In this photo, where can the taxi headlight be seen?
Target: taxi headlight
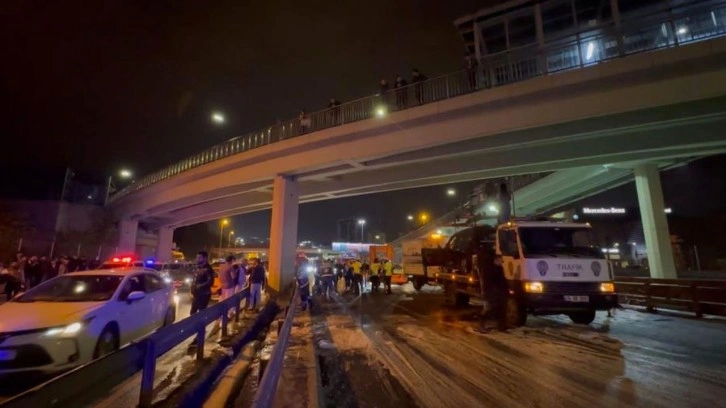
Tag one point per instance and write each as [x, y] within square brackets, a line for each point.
[607, 287]
[72, 328]
[167, 279]
[188, 281]
[533, 287]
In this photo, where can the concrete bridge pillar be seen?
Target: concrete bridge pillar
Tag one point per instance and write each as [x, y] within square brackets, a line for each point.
[655, 224]
[283, 233]
[127, 230]
[164, 244]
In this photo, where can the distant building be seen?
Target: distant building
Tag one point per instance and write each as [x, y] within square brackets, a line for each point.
[573, 33]
[348, 230]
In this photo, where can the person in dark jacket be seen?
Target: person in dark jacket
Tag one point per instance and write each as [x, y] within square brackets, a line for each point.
[494, 289]
[418, 78]
[304, 290]
[202, 286]
[257, 279]
[401, 92]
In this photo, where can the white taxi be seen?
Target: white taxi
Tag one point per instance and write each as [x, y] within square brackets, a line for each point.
[75, 318]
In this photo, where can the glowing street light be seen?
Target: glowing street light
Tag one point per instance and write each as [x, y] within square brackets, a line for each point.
[409, 217]
[223, 223]
[229, 239]
[451, 192]
[380, 111]
[217, 118]
[362, 224]
[424, 218]
[125, 173]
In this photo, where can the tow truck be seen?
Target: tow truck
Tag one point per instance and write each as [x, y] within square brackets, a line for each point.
[551, 268]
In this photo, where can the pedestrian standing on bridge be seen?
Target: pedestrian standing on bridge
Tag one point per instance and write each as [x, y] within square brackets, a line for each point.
[418, 79]
[471, 64]
[401, 86]
[304, 120]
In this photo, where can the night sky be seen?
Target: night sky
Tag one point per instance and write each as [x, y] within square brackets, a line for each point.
[100, 85]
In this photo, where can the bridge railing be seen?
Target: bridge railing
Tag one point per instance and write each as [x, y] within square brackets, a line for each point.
[267, 389]
[663, 27]
[92, 381]
[696, 296]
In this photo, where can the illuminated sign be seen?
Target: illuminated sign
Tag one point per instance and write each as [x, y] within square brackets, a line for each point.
[351, 247]
[612, 210]
[603, 210]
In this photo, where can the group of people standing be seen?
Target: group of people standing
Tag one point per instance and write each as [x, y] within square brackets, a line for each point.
[234, 277]
[342, 276]
[27, 272]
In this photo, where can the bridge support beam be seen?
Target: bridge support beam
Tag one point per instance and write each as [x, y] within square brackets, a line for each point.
[283, 232]
[164, 244]
[127, 230]
[655, 223]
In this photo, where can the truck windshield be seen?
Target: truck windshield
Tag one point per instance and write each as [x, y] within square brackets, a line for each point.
[577, 242]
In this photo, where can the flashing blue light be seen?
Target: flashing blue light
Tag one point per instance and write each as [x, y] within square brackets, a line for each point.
[149, 261]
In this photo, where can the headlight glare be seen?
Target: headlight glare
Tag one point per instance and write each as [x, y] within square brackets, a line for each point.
[72, 328]
[607, 287]
[533, 287]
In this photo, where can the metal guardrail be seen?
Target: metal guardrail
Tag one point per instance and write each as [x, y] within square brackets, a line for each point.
[265, 395]
[92, 381]
[662, 28]
[697, 296]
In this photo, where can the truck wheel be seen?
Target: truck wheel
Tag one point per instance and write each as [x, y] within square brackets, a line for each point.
[585, 317]
[516, 314]
[418, 283]
[449, 294]
[462, 300]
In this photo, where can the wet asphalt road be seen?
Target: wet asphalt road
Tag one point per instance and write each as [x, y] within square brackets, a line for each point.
[407, 350]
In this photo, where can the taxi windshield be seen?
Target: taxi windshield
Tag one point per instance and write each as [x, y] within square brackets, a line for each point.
[73, 288]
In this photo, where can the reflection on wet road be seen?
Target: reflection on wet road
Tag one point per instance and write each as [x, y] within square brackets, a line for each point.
[419, 353]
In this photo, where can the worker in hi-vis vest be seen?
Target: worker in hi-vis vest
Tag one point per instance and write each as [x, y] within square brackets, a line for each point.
[387, 274]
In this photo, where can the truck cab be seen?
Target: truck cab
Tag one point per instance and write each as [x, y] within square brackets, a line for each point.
[550, 267]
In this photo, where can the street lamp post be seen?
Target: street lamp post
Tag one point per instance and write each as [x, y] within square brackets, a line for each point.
[122, 174]
[222, 224]
[362, 224]
[424, 218]
[229, 239]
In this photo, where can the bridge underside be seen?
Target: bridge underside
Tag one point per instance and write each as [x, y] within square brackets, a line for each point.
[606, 153]
[554, 191]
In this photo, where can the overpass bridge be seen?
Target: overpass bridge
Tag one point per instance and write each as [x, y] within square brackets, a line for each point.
[538, 195]
[657, 101]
